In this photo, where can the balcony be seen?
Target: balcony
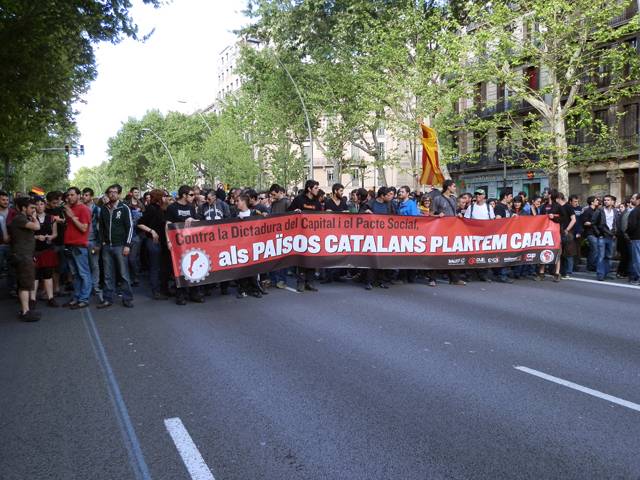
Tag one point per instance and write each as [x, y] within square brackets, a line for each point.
[488, 162]
[626, 15]
[593, 149]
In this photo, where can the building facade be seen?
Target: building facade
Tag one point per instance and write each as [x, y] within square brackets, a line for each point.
[614, 170]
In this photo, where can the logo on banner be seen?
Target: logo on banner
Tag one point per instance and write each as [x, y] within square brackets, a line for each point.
[530, 257]
[195, 265]
[457, 261]
[547, 256]
[511, 259]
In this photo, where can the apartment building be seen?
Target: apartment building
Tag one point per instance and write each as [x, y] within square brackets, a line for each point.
[492, 167]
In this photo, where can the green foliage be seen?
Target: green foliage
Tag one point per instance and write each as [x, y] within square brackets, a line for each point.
[47, 62]
[97, 178]
[582, 56]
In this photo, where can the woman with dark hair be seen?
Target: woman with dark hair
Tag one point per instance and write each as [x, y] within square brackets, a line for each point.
[152, 224]
[425, 205]
[46, 255]
[518, 206]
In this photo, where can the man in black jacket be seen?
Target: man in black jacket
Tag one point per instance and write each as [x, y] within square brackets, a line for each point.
[116, 230]
[306, 202]
[604, 224]
[633, 232]
[588, 232]
[183, 210]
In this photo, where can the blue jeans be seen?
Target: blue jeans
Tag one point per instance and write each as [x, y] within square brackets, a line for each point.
[592, 258]
[5, 252]
[635, 259]
[155, 264]
[278, 275]
[78, 262]
[605, 252]
[134, 258]
[94, 264]
[567, 265]
[115, 263]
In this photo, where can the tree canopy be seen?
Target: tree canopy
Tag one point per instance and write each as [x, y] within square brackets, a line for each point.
[47, 62]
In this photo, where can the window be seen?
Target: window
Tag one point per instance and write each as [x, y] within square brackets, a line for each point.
[380, 132]
[601, 120]
[480, 144]
[532, 75]
[480, 96]
[632, 45]
[630, 121]
[502, 97]
[381, 151]
[502, 143]
[528, 144]
[330, 176]
[355, 153]
[355, 175]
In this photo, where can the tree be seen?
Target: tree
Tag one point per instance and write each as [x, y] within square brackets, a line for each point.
[368, 65]
[578, 52]
[96, 178]
[138, 156]
[47, 62]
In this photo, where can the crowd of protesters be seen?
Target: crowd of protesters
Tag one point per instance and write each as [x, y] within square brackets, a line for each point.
[80, 245]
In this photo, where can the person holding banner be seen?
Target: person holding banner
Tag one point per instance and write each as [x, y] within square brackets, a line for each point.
[307, 201]
[445, 205]
[247, 285]
[183, 210]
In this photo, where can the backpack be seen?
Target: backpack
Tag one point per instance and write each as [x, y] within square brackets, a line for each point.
[488, 211]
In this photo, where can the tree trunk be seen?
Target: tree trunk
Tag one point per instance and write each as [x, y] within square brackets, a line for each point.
[381, 175]
[562, 154]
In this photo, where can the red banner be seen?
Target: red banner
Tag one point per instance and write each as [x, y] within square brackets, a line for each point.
[216, 251]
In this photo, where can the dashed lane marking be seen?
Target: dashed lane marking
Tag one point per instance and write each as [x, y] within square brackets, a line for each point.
[190, 454]
[580, 388]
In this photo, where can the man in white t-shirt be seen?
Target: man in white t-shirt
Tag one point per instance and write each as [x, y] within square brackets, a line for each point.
[480, 209]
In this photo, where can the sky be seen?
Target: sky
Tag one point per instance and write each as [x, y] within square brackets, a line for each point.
[177, 63]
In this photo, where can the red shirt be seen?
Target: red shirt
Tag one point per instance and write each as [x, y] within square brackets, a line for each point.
[73, 236]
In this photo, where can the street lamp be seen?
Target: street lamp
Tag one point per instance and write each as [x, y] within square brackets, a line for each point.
[173, 162]
[201, 116]
[306, 114]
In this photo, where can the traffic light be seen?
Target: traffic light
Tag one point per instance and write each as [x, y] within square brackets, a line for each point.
[67, 149]
[81, 149]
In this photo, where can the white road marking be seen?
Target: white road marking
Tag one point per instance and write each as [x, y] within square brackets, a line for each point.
[580, 388]
[190, 454]
[586, 280]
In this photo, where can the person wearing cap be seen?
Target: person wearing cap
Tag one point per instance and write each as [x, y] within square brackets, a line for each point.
[480, 210]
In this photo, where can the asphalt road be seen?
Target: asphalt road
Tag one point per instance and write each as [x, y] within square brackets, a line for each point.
[407, 383]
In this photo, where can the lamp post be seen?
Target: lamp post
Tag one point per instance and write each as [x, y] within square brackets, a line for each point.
[173, 162]
[201, 116]
[306, 114]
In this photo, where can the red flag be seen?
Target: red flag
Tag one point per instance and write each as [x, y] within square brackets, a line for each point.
[431, 173]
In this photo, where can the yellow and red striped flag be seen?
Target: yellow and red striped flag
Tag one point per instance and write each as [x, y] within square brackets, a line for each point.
[431, 173]
[37, 190]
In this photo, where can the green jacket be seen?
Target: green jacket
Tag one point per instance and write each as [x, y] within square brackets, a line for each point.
[116, 225]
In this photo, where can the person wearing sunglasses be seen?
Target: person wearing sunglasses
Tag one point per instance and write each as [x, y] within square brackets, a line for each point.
[184, 210]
